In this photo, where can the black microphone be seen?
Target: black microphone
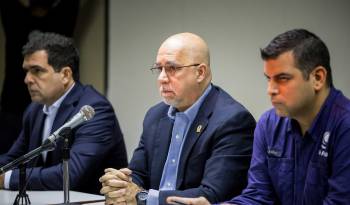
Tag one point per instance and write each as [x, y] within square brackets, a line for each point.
[86, 113]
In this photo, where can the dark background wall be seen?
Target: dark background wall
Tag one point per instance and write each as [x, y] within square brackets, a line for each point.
[90, 39]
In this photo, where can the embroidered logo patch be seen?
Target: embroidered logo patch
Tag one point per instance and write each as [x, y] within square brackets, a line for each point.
[323, 150]
[274, 152]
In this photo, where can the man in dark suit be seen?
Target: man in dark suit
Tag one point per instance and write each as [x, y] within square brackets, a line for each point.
[51, 63]
[198, 142]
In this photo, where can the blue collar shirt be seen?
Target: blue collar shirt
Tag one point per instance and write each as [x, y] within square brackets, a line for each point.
[291, 169]
[182, 122]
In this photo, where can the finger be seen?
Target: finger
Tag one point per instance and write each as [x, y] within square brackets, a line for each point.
[117, 183]
[107, 189]
[176, 200]
[106, 177]
[126, 171]
[121, 174]
[110, 170]
[117, 193]
[120, 200]
[202, 201]
[187, 201]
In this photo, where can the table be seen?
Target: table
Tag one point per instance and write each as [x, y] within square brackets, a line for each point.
[51, 197]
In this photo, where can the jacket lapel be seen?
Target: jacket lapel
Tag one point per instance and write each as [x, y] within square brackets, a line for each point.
[64, 113]
[162, 142]
[36, 135]
[196, 130]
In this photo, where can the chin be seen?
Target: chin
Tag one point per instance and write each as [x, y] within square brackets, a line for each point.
[281, 113]
[38, 100]
[172, 103]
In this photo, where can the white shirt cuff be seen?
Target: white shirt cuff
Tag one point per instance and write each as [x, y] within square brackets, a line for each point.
[7, 179]
[153, 197]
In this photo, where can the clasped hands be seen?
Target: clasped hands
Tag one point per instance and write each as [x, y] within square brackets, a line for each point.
[118, 188]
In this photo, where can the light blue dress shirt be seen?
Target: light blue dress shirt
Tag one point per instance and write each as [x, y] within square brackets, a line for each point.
[182, 122]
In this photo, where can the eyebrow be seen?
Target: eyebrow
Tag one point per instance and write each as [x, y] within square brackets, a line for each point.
[166, 63]
[277, 76]
[33, 67]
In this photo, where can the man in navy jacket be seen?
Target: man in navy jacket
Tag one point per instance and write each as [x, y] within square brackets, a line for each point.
[197, 142]
[51, 62]
[301, 147]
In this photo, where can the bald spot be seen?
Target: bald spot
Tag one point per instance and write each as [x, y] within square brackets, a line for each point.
[188, 45]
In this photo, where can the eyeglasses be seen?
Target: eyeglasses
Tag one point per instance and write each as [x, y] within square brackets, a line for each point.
[170, 69]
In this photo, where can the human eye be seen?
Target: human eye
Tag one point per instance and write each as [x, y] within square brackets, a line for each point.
[37, 70]
[170, 68]
[283, 78]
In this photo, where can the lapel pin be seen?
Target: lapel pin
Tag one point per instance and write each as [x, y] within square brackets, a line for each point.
[199, 128]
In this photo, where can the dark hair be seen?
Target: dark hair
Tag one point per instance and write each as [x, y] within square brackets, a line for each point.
[60, 50]
[309, 51]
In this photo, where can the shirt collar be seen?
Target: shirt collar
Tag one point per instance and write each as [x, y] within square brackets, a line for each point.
[192, 111]
[50, 109]
[319, 120]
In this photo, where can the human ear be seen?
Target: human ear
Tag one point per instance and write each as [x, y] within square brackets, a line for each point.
[66, 74]
[201, 72]
[319, 75]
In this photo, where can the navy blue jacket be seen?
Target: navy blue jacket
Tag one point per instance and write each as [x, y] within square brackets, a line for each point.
[95, 144]
[291, 169]
[213, 162]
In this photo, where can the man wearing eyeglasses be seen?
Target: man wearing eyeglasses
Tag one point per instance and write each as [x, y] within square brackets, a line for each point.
[197, 142]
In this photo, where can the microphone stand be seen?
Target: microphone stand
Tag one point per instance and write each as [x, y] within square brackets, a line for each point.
[66, 133]
[22, 197]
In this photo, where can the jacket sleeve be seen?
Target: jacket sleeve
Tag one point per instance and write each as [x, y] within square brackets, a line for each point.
[15, 151]
[338, 191]
[139, 163]
[259, 189]
[20, 146]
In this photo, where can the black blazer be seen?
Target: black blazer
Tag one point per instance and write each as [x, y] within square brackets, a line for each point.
[214, 161]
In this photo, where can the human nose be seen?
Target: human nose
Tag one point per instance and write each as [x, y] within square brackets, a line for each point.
[272, 88]
[28, 78]
[163, 76]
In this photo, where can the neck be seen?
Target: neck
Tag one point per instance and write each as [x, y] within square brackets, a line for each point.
[306, 118]
[66, 88]
[198, 93]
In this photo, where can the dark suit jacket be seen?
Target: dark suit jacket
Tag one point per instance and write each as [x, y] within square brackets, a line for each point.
[214, 162]
[95, 144]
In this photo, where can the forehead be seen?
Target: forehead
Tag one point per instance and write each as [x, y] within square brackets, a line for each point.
[172, 51]
[36, 58]
[284, 63]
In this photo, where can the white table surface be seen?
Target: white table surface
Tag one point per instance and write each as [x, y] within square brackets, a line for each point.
[49, 197]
